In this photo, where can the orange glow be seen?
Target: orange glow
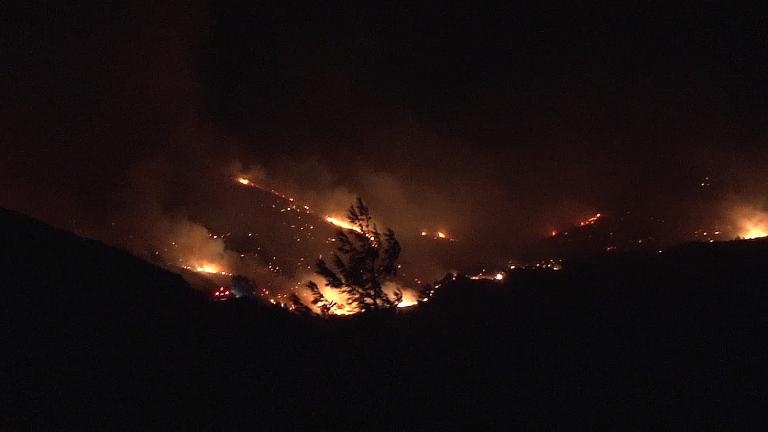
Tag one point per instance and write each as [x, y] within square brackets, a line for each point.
[244, 181]
[340, 299]
[752, 223]
[409, 299]
[488, 276]
[755, 232]
[342, 223]
[207, 268]
[436, 235]
[340, 303]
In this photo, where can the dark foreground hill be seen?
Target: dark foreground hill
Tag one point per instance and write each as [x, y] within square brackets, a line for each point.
[94, 338]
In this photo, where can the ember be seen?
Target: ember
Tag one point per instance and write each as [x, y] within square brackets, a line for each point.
[591, 220]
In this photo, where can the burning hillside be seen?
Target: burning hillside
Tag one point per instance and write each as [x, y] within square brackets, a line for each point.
[273, 240]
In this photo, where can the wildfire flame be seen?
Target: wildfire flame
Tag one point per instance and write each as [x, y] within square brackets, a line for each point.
[582, 223]
[409, 299]
[755, 232]
[591, 220]
[333, 220]
[207, 268]
[436, 235]
[340, 300]
[752, 223]
[342, 223]
[488, 276]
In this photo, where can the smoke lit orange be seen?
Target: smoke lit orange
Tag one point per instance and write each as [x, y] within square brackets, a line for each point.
[753, 223]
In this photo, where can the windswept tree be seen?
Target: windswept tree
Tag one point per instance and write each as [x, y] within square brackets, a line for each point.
[364, 260]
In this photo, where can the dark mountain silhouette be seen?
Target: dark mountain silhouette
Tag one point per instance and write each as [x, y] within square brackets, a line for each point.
[95, 338]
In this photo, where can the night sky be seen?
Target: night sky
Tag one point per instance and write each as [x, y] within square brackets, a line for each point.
[494, 123]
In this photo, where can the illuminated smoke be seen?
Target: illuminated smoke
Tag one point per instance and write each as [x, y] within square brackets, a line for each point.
[410, 296]
[185, 244]
[752, 224]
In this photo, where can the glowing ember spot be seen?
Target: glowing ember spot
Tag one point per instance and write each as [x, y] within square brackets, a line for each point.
[436, 235]
[342, 223]
[488, 276]
[244, 181]
[592, 220]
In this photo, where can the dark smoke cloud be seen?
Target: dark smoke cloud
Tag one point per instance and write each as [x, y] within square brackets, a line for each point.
[105, 120]
[121, 122]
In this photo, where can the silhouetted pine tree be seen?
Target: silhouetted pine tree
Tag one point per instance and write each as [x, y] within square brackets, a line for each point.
[363, 261]
[299, 307]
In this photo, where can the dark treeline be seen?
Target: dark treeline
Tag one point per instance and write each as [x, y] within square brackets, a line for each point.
[96, 338]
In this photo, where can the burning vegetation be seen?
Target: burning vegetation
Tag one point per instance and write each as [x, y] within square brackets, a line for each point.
[336, 221]
[751, 223]
[364, 261]
[590, 220]
[281, 272]
[358, 269]
[436, 235]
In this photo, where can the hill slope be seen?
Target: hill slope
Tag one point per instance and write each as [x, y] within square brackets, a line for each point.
[99, 339]
[81, 320]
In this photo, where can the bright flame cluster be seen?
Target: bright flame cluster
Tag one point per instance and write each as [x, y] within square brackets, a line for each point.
[752, 223]
[408, 302]
[489, 276]
[755, 232]
[208, 268]
[342, 223]
[437, 235]
[339, 300]
[591, 220]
